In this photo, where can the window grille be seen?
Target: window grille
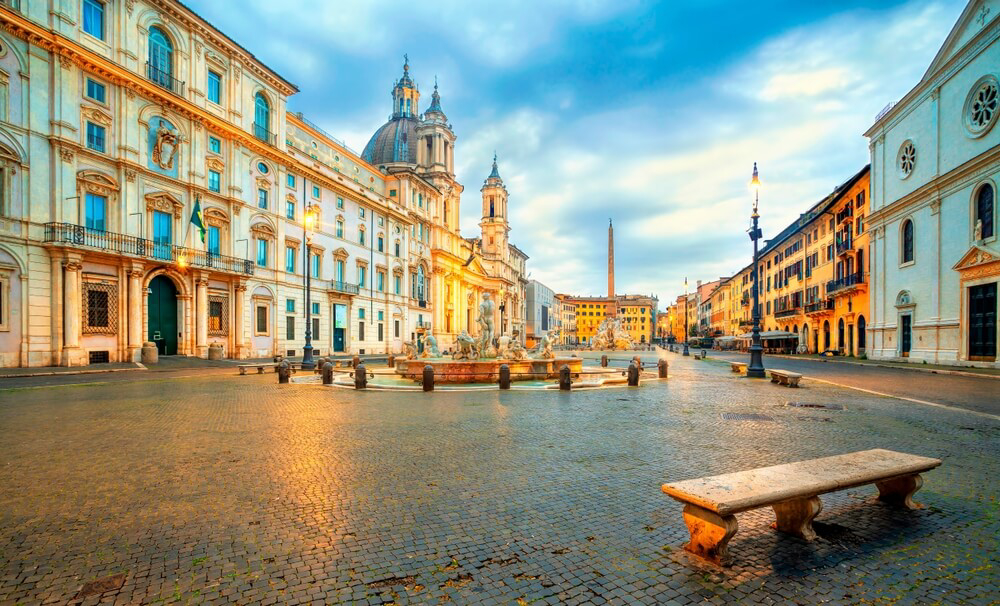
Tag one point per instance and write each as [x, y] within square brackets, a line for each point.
[218, 315]
[100, 308]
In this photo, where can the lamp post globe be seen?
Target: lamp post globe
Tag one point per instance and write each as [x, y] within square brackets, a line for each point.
[756, 367]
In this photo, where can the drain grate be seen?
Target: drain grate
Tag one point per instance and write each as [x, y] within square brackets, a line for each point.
[745, 416]
[815, 405]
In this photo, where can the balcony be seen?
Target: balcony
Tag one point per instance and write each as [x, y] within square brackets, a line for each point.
[344, 287]
[164, 80]
[745, 301]
[105, 241]
[423, 325]
[820, 307]
[846, 213]
[260, 131]
[850, 281]
[791, 311]
[844, 244]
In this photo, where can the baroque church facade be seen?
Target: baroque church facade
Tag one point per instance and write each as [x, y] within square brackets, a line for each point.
[154, 188]
[415, 148]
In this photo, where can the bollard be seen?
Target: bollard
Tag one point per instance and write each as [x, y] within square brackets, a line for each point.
[428, 378]
[633, 375]
[283, 372]
[327, 373]
[604, 361]
[355, 361]
[564, 378]
[661, 367]
[360, 376]
[638, 362]
[392, 361]
[703, 354]
[319, 366]
[504, 376]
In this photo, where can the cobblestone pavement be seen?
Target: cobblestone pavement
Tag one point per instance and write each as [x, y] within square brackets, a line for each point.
[981, 394]
[227, 489]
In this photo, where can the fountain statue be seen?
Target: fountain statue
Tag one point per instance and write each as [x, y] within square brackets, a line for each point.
[485, 321]
[611, 335]
[466, 347]
[410, 350]
[510, 348]
[545, 346]
[431, 346]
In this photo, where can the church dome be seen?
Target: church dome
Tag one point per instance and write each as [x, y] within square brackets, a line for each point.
[395, 141]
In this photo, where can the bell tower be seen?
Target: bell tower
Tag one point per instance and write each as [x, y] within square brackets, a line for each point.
[436, 141]
[494, 222]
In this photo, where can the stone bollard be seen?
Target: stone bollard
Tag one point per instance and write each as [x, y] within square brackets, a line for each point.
[215, 352]
[360, 376]
[638, 362]
[703, 354]
[392, 361]
[283, 372]
[661, 368]
[277, 358]
[633, 375]
[149, 354]
[428, 378]
[355, 361]
[564, 378]
[604, 361]
[504, 376]
[327, 373]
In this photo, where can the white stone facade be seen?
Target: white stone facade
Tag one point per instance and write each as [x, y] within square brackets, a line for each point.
[104, 158]
[935, 161]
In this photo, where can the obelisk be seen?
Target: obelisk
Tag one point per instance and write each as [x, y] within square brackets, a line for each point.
[613, 307]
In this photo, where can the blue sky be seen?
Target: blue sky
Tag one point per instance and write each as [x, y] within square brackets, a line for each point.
[650, 113]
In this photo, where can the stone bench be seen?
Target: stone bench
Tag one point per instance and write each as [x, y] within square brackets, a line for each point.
[793, 491]
[785, 377]
[738, 367]
[697, 356]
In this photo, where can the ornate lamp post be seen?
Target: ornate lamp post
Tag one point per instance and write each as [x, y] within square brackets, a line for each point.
[756, 366]
[686, 352]
[307, 351]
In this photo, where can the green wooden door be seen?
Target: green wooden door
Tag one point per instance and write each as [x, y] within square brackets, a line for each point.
[163, 315]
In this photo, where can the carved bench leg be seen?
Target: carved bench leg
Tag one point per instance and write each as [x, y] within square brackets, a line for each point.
[243, 371]
[793, 382]
[899, 491]
[710, 534]
[795, 517]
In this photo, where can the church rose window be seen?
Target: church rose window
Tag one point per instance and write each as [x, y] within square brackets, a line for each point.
[907, 159]
[982, 105]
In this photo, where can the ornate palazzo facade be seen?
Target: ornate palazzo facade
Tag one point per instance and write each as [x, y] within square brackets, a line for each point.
[127, 126]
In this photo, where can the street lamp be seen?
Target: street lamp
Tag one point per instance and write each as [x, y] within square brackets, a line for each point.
[307, 351]
[756, 367]
[686, 352]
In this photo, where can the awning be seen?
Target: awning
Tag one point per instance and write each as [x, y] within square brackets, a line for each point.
[772, 334]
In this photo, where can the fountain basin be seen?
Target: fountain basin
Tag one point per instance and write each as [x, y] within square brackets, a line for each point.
[486, 370]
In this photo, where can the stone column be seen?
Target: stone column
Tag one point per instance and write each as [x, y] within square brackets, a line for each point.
[185, 344]
[56, 298]
[72, 355]
[238, 312]
[201, 315]
[135, 305]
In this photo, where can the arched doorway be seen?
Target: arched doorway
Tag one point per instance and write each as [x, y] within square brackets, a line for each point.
[826, 335]
[840, 335]
[162, 324]
[805, 336]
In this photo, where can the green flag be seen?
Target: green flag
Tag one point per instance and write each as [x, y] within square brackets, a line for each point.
[196, 218]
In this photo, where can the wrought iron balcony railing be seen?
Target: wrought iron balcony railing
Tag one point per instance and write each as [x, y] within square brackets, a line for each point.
[819, 306]
[790, 311]
[844, 244]
[846, 282]
[260, 131]
[846, 213]
[98, 239]
[344, 287]
[164, 80]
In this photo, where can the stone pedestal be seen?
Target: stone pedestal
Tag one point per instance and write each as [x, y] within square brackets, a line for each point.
[150, 355]
[215, 352]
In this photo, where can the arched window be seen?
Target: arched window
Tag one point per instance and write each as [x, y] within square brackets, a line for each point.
[161, 58]
[861, 334]
[420, 283]
[491, 208]
[984, 210]
[261, 117]
[408, 107]
[907, 241]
